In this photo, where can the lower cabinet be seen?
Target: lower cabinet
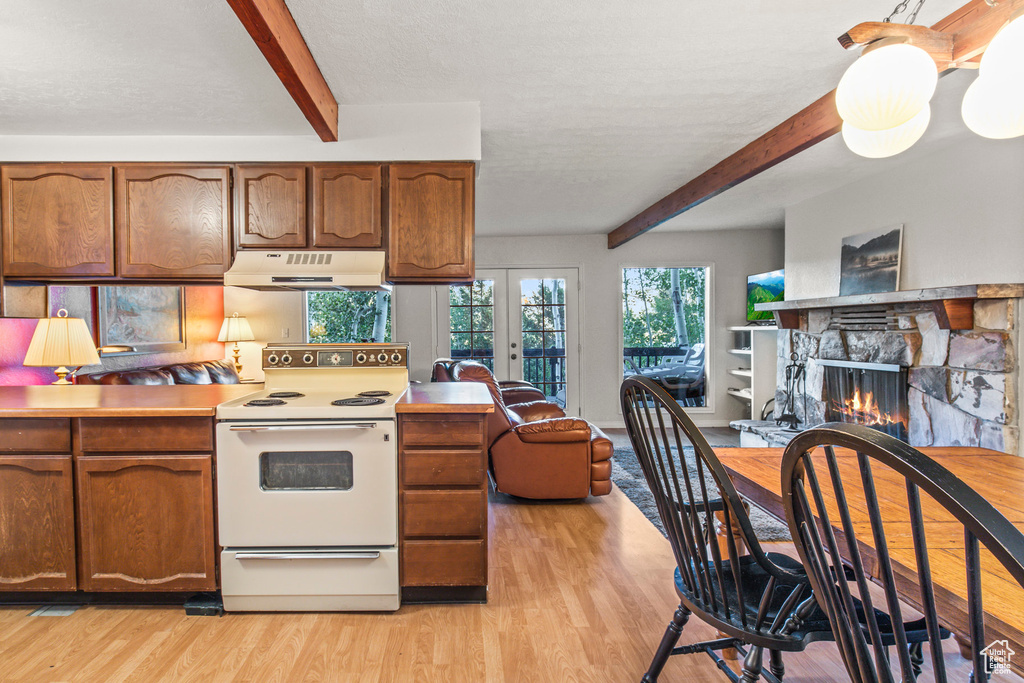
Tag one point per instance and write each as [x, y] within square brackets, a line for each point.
[140, 514]
[146, 523]
[37, 523]
[443, 506]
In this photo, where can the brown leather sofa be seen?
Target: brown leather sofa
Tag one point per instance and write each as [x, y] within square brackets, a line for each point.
[201, 372]
[512, 391]
[537, 457]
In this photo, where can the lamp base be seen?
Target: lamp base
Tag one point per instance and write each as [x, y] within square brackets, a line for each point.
[238, 364]
[62, 375]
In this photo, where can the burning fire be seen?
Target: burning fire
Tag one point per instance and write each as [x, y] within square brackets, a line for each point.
[865, 410]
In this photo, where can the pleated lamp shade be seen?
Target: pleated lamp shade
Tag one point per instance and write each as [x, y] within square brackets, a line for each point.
[235, 329]
[60, 342]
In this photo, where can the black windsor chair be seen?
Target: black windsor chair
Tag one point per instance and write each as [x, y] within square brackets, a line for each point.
[759, 601]
[813, 485]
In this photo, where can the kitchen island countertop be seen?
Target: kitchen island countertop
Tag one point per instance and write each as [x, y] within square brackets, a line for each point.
[180, 400]
[446, 397]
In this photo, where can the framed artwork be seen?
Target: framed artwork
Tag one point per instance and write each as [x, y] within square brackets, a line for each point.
[148, 319]
[870, 262]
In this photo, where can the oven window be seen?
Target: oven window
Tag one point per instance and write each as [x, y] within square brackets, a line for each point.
[306, 470]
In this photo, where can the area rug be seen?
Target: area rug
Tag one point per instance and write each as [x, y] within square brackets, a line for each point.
[628, 476]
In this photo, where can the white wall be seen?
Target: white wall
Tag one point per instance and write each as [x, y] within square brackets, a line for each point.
[732, 255]
[962, 210]
[392, 132]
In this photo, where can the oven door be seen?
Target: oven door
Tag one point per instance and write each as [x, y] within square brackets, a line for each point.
[307, 483]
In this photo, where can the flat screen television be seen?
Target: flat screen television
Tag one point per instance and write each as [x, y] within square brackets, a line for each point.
[762, 288]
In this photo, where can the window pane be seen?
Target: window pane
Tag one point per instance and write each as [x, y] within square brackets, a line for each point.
[533, 318]
[345, 317]
[483, 318]
[664, 316]
[461, 344]
[461, 318]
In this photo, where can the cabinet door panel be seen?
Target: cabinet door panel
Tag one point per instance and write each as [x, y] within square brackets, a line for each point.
[430, 222]
[444, 513]
[37, 529]
[57, 220]
[444, 563]
[146, 523]
[271, 204]
[173, 221]
[346, 205]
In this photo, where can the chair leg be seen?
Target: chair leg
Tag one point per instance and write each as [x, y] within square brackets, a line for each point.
[775, 664]
[916, 658]
[668, 641]
[752, 665]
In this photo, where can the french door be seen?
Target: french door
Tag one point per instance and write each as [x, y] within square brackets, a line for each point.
[521, 323]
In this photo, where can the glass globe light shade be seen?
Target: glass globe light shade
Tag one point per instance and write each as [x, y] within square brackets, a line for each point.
[994, 107]
[886, 87]
[1005, 54]
[878, 144]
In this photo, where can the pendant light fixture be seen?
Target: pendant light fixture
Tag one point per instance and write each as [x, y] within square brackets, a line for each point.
[883, 97]
[993, 106]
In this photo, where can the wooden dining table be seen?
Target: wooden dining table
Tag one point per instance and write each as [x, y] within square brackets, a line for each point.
[998, 477]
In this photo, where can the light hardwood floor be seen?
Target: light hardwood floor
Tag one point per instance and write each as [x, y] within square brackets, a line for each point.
[579, 592]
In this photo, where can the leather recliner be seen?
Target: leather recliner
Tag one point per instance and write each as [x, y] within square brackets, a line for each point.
[512, 391]
[540, 457]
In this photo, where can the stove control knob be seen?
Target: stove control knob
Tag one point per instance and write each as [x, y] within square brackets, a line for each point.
[396, 357]
[382, 358]
[272, 359]
[361, 358]
[286, 359]
[307, 359]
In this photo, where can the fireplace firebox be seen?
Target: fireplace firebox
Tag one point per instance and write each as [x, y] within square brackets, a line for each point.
[872, 394]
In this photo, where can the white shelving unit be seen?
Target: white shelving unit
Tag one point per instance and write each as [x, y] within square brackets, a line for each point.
[755, 352]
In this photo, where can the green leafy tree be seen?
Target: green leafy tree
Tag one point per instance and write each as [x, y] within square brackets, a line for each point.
[342, 317]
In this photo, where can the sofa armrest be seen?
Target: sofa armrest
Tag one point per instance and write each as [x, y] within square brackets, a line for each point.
[525, 394]
[536, 410]
[556, 430]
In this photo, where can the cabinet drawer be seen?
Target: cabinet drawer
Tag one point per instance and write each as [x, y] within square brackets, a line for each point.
[444, 513]
[451, 430]
[444, 563]
[442, 467]
[35, 435]
[162, 434]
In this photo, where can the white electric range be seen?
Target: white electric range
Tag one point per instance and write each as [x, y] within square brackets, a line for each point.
[307, 481]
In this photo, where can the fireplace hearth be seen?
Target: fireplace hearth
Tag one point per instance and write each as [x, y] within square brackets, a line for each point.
[871, 394]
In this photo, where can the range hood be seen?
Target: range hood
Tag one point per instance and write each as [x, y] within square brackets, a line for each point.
[358, 271]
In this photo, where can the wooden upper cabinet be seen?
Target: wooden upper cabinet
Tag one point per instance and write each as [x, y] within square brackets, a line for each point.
[346, 206]
[173, 221]
[57, 220]
[430, 222]
[270, 203]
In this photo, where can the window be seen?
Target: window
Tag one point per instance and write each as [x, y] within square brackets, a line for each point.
[345, 317]
[471, 308]
[664, 322]
[543, 322]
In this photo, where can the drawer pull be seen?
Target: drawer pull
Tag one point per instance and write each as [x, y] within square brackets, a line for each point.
[360, 555]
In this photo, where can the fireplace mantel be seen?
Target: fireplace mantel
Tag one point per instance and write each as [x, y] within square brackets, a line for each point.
[953, 306]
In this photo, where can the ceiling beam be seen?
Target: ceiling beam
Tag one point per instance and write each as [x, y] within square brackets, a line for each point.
[277, 36]
[972, 27]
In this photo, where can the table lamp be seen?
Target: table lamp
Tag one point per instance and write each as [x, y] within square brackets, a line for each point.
[62, 342]
[235, 329]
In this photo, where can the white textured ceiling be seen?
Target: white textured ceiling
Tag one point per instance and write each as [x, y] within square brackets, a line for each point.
[590, 110]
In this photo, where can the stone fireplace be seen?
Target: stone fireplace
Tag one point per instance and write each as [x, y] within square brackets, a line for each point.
[960, 382]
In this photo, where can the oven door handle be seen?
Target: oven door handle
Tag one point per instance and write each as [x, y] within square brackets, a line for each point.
[305, 427]
[331, 555]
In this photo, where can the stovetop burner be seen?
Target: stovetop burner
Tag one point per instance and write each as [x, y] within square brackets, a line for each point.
[358, 401]
[285, 394]
[373, 394]
[265, 402]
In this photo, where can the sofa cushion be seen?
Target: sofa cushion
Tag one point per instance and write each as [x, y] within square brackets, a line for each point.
[189, 373]
[221, 371]
[144, 376]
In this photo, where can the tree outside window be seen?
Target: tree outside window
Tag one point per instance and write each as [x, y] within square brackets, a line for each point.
[664, 319]
[347, 317]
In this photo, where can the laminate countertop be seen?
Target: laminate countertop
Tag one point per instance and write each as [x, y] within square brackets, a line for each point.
[446, 397]
[179, 400]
